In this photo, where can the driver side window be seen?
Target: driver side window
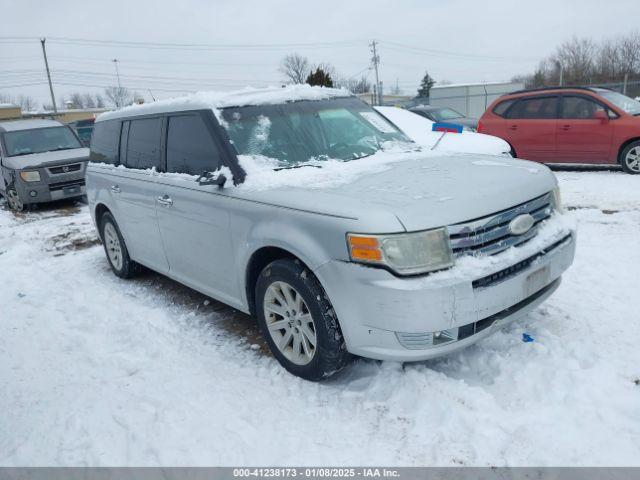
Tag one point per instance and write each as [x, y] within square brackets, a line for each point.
[191, 148]
[579, 107]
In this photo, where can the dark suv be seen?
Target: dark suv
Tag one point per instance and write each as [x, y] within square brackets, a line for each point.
[570, 125]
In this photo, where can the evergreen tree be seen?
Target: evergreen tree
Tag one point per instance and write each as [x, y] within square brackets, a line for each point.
[425, 85]
[320, 77]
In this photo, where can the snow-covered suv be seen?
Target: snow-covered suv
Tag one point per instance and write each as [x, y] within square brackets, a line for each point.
[40, 161]
[306, 208]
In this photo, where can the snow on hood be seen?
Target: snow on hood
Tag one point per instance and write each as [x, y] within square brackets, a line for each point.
[46, 158]
[419, 130]
[236, 98]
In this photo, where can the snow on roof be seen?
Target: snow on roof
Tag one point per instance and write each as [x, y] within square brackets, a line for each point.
[15, 125]
[8, 105]
[237, 98]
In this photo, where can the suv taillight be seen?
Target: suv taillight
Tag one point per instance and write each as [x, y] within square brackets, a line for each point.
[479, 130]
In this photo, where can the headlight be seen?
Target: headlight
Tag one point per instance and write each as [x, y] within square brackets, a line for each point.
[556, 201]
[30, 176]
[405, 253]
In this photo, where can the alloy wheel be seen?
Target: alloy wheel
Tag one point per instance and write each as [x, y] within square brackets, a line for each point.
[633, 159]
[113, 247]
[290, 323]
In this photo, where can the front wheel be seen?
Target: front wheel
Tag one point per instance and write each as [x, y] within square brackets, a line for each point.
[630, 158]
[15, 202]
[298, 321]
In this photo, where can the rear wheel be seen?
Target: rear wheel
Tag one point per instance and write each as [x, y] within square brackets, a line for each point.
[115, 248]
[630, 158]
[298, 321]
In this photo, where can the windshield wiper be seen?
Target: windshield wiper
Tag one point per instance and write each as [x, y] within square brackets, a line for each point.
[297, 166]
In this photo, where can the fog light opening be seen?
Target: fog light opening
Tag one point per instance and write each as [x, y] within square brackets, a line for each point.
[33, 193]
[445, 336]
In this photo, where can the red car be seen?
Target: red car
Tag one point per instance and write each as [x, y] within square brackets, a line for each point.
[568, 125]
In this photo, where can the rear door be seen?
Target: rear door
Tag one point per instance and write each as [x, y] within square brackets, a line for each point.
[194, 219]
[530, 127]
[135, 191]
[581, 138]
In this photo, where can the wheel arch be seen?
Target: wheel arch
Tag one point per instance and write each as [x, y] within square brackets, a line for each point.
[257, 262]
[623, 146]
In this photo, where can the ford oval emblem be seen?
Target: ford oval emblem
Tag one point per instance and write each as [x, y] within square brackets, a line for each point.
[521, 224]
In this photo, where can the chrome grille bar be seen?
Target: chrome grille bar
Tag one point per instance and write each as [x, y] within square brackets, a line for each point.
[490, 235]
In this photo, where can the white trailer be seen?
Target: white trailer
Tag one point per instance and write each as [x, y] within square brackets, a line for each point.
[470, 99]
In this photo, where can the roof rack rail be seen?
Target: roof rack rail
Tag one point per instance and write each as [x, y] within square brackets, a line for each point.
[564, 87]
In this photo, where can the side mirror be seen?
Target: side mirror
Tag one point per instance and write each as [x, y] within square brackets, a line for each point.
[601, 115]
[208, 178]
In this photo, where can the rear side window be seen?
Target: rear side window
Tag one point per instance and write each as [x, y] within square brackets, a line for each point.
[579, 107]
[104, 142]
[535, 108]
[190, 146]
[143, 144]
[502, 107]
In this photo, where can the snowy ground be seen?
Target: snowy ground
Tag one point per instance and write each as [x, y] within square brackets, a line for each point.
[95, 370]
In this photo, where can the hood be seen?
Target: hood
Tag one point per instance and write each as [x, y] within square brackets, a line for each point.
[36, 160]
[419, 129]
[421, 193]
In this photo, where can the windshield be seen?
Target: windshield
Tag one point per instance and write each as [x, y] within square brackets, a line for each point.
[629, 105]
[343, 129]
[446, 114]
[38, 140]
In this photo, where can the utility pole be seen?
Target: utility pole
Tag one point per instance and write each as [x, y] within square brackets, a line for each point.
[115, 62]
[561, 74]
[376, 60]
[624, 85]
[46, 64]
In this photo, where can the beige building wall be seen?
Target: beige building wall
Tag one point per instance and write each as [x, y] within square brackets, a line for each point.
[10, 111]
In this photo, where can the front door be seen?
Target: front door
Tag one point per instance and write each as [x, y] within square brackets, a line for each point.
[581, 137]
[193, 219]
[530, 127]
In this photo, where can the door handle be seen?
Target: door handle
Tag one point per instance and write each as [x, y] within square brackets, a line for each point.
[565, 127]
[513, 127]
[165, 201]
[115, 189]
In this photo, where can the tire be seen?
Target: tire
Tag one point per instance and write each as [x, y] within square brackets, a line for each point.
[14, 200]
[315, 320]
[630, 158]
[115, 248]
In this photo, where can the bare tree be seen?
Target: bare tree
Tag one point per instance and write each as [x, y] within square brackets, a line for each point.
[27, 103]
[629, 51]
[118, 96]
[354, 85]
[77, 100]
[6, 98]
[99, 101]
[88, 101]
[295, 68]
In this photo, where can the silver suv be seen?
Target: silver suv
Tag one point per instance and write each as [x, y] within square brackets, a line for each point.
[41, 161]
[306, 208]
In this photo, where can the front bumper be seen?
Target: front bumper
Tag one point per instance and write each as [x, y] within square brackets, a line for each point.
[390, 318]
[51, 187]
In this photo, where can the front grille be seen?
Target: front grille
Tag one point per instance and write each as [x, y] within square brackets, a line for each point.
[491, 235]
[60, 185]
[516, 268]
[65, 169]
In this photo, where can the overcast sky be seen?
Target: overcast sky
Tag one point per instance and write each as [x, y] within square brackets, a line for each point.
[239, 43]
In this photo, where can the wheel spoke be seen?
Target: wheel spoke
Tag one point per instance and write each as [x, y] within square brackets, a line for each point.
[278, 325]
[309, 334]
[306, 347]
[276, 290]
[296, 345]
[277, 309]
[288, 295]
[285, 340]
